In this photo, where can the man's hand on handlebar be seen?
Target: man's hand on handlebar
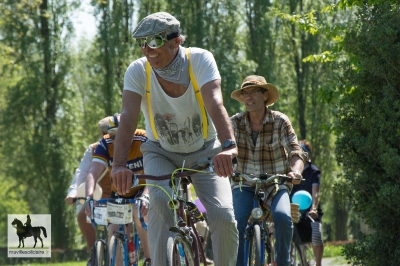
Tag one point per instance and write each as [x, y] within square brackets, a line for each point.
[296, 177]
[222, 162]
[89, 209]
[122, 179]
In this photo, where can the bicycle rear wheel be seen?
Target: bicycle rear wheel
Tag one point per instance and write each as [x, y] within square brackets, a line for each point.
[101, 253]
[297, 256]
[309, 254]
[255, 246]
[179, 251]
[117, 245]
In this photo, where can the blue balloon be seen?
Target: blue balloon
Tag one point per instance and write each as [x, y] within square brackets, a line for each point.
[303, 198]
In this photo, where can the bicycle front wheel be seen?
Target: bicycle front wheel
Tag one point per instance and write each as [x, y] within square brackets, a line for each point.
[269, 243]
[179, 251]
[255, 246]
[117, 245]
[101, 254]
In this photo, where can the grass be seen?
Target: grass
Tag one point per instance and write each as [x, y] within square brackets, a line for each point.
[332, 251]
[72, 263]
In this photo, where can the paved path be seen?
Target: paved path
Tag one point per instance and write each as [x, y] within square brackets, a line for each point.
[335, 261]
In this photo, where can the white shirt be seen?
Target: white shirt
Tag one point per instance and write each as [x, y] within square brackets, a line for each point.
[81, 172]
[177, 120]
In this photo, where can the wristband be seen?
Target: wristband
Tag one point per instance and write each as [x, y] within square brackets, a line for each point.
[296, 172]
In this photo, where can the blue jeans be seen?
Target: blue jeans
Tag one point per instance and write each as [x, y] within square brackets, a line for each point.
[280, 208]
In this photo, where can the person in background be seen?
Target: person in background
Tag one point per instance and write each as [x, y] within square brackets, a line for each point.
[267, 143]
[102, 159]
[183, 108]
[312, 175]
[81, 172]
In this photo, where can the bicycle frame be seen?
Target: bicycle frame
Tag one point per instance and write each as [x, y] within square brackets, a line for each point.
[123, 237]
[120, 235]
[183, 238]
[186, 215]
[301, 252]
[101, 245]
[264, 230]
[257, 220]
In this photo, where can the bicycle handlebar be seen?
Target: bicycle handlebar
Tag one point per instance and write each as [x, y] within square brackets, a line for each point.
[202, 165]
[78, 199]
[116, 200]
[262, 178]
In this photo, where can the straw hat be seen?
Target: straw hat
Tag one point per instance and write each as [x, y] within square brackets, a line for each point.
[255, 81]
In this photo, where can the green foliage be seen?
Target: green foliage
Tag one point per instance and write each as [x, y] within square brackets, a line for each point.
[368, 118]
[11, 202]
[33, 114]
[52, 94]
[332, 250]
[306, 22]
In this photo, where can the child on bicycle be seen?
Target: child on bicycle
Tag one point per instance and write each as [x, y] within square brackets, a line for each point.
[102, 158]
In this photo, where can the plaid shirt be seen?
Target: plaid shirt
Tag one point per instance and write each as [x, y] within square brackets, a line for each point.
[276, 145]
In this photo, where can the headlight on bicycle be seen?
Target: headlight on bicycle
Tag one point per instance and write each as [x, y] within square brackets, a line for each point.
[256, 213]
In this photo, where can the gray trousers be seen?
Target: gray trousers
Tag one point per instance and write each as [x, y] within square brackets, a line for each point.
[213, 191]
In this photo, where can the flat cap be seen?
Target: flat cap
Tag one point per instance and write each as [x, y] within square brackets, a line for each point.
[156, 23]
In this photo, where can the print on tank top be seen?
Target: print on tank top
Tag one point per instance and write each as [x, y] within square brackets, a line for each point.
[175, 132]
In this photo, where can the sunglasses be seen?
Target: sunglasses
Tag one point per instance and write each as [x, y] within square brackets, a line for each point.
[155, 41]
[247, 93]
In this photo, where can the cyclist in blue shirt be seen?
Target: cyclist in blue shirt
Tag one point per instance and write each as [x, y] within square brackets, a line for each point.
[306, 228]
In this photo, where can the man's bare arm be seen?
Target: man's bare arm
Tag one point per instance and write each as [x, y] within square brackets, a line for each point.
[95, 171]
[297, 165]
[127, 126]
[213, 101]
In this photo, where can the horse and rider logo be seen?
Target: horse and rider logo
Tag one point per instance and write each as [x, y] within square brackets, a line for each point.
[36, 226]
[28, 231]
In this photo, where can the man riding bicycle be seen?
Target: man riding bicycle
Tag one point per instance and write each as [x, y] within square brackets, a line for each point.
[179, 92]
[267, 144]
[79, 179]
[103, 158]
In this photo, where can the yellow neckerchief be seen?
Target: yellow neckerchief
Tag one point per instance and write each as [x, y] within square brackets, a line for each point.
[197, 93]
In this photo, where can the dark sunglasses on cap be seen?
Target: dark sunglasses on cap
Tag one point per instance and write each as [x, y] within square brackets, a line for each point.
[155, 41]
